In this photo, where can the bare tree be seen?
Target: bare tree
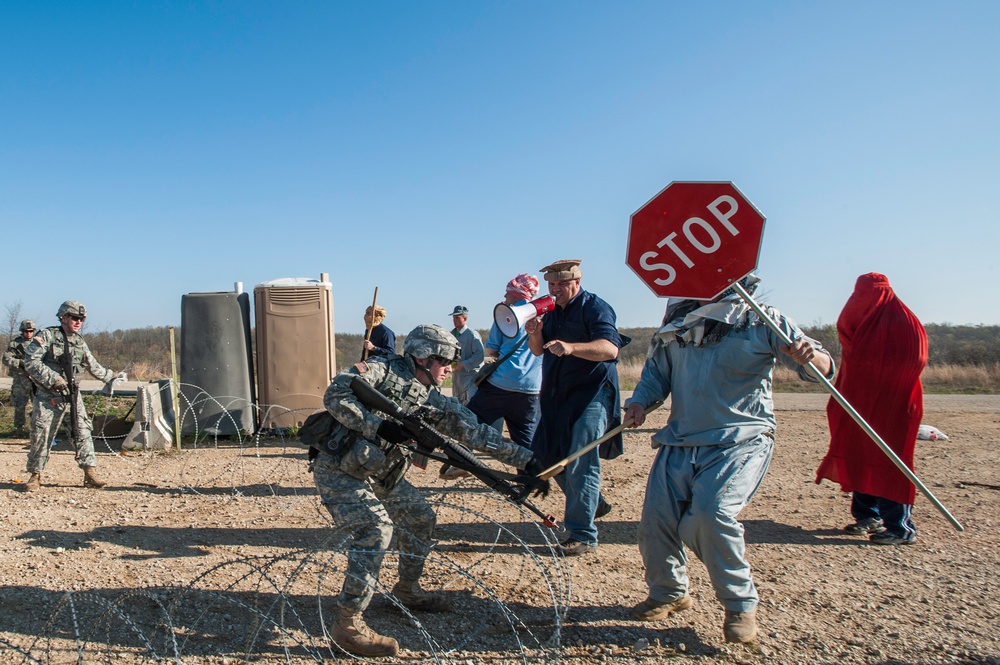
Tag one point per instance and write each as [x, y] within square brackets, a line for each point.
[12, 319]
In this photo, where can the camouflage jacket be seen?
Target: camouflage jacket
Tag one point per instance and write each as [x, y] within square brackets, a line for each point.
[44, 363]
[13, 357]
[394, 376]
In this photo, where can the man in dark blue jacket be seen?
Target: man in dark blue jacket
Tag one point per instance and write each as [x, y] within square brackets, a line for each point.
[580, 399]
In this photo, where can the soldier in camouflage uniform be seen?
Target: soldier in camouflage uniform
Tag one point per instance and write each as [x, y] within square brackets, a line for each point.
[44, 362]
[21, 387]
[359, 474]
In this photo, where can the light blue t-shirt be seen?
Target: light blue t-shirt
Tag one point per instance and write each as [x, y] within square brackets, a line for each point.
[522, 372]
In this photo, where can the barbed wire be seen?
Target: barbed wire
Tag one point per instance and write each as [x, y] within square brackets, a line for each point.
[501, 569]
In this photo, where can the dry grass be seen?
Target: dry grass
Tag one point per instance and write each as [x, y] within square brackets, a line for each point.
[937, 379]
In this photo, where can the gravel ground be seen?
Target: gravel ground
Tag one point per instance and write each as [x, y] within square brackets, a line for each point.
[224, 555]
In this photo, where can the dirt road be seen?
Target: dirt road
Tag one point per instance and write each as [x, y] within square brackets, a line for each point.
[224, 555]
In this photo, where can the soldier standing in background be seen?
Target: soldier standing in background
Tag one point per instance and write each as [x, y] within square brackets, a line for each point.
[21, 388]
[50, 354]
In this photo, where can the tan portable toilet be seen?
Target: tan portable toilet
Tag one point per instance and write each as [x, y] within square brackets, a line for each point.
[296, 351]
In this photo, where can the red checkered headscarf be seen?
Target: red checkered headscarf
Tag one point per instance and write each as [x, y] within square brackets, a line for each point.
[524, 285]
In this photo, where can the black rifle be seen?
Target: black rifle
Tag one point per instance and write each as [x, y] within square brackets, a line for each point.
[74, 391]
[429, 439]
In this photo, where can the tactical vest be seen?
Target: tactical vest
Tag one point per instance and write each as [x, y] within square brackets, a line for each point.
[409, 394]
[56, 350]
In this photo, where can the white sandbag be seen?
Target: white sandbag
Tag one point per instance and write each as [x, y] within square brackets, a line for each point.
[928, 433]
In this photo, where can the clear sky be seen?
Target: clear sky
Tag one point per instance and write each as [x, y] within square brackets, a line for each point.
[436, 149]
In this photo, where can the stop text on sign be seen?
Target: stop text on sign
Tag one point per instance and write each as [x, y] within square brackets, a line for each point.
[694, 239]
[700, 235]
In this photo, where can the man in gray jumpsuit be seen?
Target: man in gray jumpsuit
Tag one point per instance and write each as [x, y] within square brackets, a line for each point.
[21, 389]
[359, 474]
[715, 360]
[45, 362]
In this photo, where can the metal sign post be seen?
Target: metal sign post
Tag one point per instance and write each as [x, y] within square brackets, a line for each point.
[850, 409]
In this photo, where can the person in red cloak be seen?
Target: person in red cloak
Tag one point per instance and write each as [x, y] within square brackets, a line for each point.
[884, 350]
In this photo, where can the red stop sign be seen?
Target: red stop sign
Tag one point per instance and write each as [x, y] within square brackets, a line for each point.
[694, 239]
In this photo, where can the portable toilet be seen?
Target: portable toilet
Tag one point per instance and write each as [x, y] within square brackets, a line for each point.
[216, 359]
[296, 349]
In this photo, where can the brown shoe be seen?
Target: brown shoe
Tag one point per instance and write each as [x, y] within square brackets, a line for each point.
[413, 597]
[90, 478]
[740, 626]
[350, 633]
[33, 483]
[655, 610]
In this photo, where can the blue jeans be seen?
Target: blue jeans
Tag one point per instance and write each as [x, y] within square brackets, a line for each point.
[895, 516]
[693, 497]
[519, 410]
[581, 481]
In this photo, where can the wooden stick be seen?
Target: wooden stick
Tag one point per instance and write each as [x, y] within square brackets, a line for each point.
[368, 328]
[558, 467]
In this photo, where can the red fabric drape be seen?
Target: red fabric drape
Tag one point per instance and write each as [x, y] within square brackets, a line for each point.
[884, 349]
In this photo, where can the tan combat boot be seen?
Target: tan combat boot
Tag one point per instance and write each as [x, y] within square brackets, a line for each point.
[33, 483]
[740, 626]
[413, 597]
[350, 633]
[90, 478]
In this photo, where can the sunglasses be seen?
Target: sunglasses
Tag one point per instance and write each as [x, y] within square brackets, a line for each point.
[442, 360]
[74, 317]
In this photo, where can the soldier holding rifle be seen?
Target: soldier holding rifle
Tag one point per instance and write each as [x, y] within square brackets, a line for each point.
[55, 361]
[359, 472]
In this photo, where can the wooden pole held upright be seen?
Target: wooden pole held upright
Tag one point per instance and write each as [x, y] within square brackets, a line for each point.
[368, 327]
[174, 392]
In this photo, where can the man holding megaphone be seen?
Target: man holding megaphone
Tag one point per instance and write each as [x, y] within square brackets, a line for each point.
[580, 400]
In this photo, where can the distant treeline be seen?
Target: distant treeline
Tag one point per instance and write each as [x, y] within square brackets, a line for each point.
[145, 352]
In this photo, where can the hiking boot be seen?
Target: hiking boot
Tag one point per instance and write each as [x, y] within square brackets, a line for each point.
[414, 598]
[33, 483]
[90, 478]
[740, 626]
[865, 526]
[573, 547]
[655, 610]
[350, 633]
[603, 508]
[887, 538]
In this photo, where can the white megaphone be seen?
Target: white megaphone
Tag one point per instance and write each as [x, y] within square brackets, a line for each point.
[510, 318]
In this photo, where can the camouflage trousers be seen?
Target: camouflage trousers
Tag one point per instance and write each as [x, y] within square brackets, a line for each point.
[366, 516]
[47, 412]
[20, 397]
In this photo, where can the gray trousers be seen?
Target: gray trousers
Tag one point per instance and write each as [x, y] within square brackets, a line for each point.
[367, 514]
[47, 412]
[693, 496]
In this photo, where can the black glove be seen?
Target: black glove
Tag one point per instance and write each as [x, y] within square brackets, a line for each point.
[531, 472]
[393, 432]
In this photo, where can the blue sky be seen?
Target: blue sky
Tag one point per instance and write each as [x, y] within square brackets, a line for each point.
[436, 149]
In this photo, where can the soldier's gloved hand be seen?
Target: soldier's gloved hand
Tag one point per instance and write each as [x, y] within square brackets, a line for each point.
[393, 432]
[60, 385]
[531, 471]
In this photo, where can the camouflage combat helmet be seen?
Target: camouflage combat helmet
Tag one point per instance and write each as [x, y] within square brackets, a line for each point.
[429, 340]
[71, 307]
[27, 324]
